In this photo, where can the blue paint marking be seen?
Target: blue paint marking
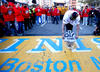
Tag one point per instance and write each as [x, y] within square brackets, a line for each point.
[39, 48]
[64, 66]
[96, 62]
[71, 66]
[81, 46]
[3, 40]
[48, 65]
[40, 67]
[12, 48]
[97, 40]
[22, 63]
[51, 43]
[10, 65]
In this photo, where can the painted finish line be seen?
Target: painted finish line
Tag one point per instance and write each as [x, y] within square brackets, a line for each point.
[49, 54]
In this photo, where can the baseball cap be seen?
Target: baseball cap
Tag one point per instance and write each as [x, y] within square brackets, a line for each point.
[74, 15]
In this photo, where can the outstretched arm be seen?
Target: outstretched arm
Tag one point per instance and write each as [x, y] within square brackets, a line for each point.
[77, 31]
[63, 30]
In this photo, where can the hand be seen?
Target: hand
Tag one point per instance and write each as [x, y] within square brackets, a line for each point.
[76, 37]
[63, 36]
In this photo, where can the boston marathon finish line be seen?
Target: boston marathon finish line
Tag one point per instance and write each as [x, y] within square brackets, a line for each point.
[40, 67]
[48, 54]
[53, 47]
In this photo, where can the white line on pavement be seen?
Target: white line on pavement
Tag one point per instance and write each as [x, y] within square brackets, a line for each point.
[80, 28]
[43, 24]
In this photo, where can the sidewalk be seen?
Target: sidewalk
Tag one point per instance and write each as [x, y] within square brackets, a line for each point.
[49, 53]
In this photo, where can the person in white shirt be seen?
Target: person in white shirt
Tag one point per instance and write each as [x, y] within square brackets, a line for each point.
[71, 20]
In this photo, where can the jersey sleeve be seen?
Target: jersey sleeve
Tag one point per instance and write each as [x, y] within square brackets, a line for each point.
[78, 20]
[65, 18]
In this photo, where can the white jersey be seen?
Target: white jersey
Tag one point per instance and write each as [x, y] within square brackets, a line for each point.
[66, 18]
[69, 36]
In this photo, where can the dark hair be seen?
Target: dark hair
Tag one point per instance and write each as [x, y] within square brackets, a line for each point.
[86, 6]
[74, 14]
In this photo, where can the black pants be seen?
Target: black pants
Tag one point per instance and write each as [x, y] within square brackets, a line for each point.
[61, 17]
[69, 26]
[2, 30]
[55, 20]
[31, 21]
[34, 18]
[26, 23]
[13, 27]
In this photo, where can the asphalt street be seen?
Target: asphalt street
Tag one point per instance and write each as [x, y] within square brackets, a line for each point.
[49, 29]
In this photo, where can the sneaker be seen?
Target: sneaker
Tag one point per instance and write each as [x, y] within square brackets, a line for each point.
[68, 46]
[72, 47]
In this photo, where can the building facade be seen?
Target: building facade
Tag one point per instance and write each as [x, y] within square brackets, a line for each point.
[73, 3]
[47, 3]
[95, 3]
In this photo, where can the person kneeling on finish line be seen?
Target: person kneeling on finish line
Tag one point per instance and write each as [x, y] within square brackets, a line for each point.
[71, 21]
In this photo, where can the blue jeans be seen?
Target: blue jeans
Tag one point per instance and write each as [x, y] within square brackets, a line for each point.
[55, 19]
[48, 19]
[58, 18]
[8, 30]
[85, 20]
[37, 18]
[4, 1]
[20, 24]
[7, 25]
[93, 20]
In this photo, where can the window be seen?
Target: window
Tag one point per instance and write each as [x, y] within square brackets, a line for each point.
[73, 0]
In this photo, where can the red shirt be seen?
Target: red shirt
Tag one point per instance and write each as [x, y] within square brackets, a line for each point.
[26, 13]
[52, 12]
[58, 12]
[4, 11]
[43, 11]
[85, 12]
[76, 10]
[80, 13]
[2, 22]
[48, 12]
[11, 14]
[18, 14]
[55, 12]
[11, 4]
[38, 11]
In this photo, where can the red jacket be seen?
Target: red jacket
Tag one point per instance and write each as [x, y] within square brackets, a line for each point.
[48, 12]
[58, 12]
[4, 11]
[76, 10]
[52, 12]
[18, 14]
[43, 11]
[55, 12]
[85, 12]
[11, 4]
[80, 13]
[26, 13]
[11, 14]
[38, 11]
[2, 22]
